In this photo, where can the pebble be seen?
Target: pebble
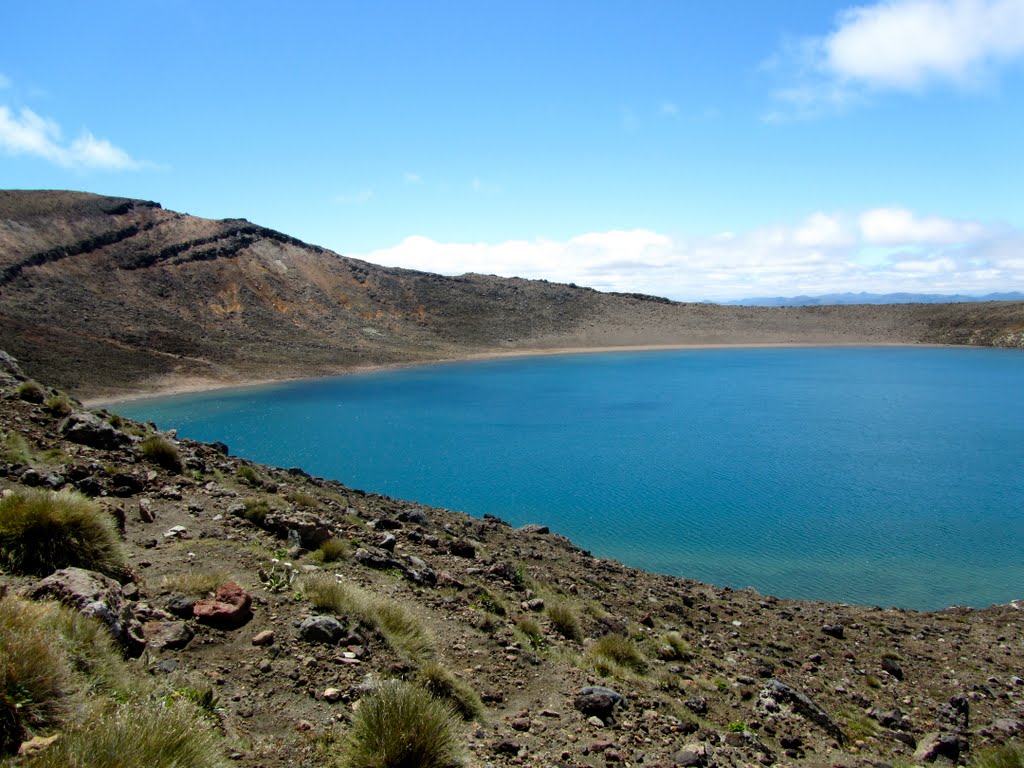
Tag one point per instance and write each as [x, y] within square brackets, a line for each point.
[266, 637]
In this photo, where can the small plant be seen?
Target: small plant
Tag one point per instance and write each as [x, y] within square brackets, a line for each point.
[31, 392]
[115, 421]
[401, 724]
[442, 684]
[872, 681]
[737, 727]
[162, 452]
[332, 551]
[619, 650]
[248, 475]
[721, 684]
[565, 621]
[41, 531]
[301, 499]
[530, 629]
[491, 603]
[674, 648]
[15, 449]
[196, 583]
[281, 576]
[59, 405]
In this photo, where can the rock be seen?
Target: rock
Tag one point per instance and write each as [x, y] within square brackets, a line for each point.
[647, 620]
[94, 594]
[181, 606]
[506, 747]
[388, 542]
[1006, 725]
[322, 629]
[834, 630]
[88, 429]
[172, 635]
[229, 608]
[595, 721]
[266, 637]
[599, 746]
[9, 369]
[462, 548]
[697, 704]
[521, 724]
[803, 706]
[146, 512]
[600, 702]
[534, 528]
[331, 695]
[692, 755]
[304, 528]
[176, 532]
[378, 559]
[894, 669]
[417, 516]
[219, 447]
[935, 745]
[535, 604]
[124, 484]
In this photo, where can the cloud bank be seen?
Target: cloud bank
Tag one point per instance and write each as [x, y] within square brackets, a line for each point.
[881, 251]
[901, 46]
[26, 133]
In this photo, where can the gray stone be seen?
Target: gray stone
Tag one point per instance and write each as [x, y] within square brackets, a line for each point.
[894, 669]
[10, 371]
[534, 528]
[598, 701]
[172, 635]
[462, 548]
[94, 594]
[945, 745]
[834, 630]
[803, 706]
[89, 429]
[322, 629]
[692, 755]
[388, 542]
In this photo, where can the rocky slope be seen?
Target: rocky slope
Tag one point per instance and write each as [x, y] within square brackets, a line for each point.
[105, 296]
[659, 671]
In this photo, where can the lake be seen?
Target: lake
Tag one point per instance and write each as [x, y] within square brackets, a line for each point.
[882, 476]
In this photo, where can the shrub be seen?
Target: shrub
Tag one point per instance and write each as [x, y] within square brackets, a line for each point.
[256, 508]
[301, 499]
[59, 405]
[442, 684]
[246, 474]
[332, 550]
[400, 627]
[162, 452]
[400, 725]
[674, 648]
[136, 736]
[619, 650]
[564, 621]
[42, 531]
[31, 392]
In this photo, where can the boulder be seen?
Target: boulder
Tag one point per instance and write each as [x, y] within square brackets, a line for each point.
[322, 629]
[534, 528]
[802, 705]
[94, 594]
[692, 755]
[600, 702]
[10, 371]
[945, 745]
[309, 529]
[172, 635]
[229, 608]
[89, 429]
[462, 548]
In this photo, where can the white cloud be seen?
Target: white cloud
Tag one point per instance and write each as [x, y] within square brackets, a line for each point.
[360, 197]
[898, 226]
[825, 253]
[412, 178]
[27, 133]
[900, 45]
[904, 44]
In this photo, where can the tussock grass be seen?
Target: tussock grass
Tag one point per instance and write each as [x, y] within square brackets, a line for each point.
[530, 629]
[442, 684]
[42, 531]
[256, 509]
[402, 630]
[136, 736]
[332, 550]
[613, 651]
[158, 450]
[302, 499]
[400, 725]
[1005, 756]
[59, 405]
[31, 392]
[248, 475]
[564, 621]
[674, 648]
[15, 449]
[196, 583]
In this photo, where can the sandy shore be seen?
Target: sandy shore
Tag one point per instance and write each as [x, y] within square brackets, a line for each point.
[167, 386]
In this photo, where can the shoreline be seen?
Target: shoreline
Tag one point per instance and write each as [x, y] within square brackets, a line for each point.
[171, 385]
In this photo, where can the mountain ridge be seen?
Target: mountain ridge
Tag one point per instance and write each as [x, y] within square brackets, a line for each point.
[108, 296]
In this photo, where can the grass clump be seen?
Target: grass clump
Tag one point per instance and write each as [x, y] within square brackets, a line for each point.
[1004, 756]
[491, 602]
[256, 508]
[565, 621]
[158, 450]
[674, 648]
[402, 630]
[135, 737]
[442, 684]
[15, 449]
[301, 499]
[42, 531]
[332, 550]
[248, 475]
[31, 392]
[196, 583]
[400, 725]
[59, 405]
[613, 651]
[529, 628]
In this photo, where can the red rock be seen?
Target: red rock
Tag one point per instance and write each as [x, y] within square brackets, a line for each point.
[230, 607]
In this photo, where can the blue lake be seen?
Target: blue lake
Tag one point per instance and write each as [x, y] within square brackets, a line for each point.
[888, 476]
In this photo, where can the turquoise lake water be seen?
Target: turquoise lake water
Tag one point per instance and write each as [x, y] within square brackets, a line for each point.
[882, 476]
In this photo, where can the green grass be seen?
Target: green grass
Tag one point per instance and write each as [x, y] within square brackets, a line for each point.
[158, 450]
[565, 621]
[400, 725]
[196, 583]
[302, 499]
[256, 508]
[1005, 756]
[42, 531]
[133, 736]
[613, 651]
[248, 475]
[59, 405]
[15, 449]
[332, 550]
[530, 629]
[442, 684]
[402, 630]
[491, 603]
[31, 392]
[674, 648]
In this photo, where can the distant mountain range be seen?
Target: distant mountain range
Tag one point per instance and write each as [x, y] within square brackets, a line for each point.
[869, 298]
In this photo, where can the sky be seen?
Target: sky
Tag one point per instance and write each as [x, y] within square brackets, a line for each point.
[695, 150]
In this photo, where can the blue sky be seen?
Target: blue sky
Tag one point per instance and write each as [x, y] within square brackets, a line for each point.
[695, 150]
